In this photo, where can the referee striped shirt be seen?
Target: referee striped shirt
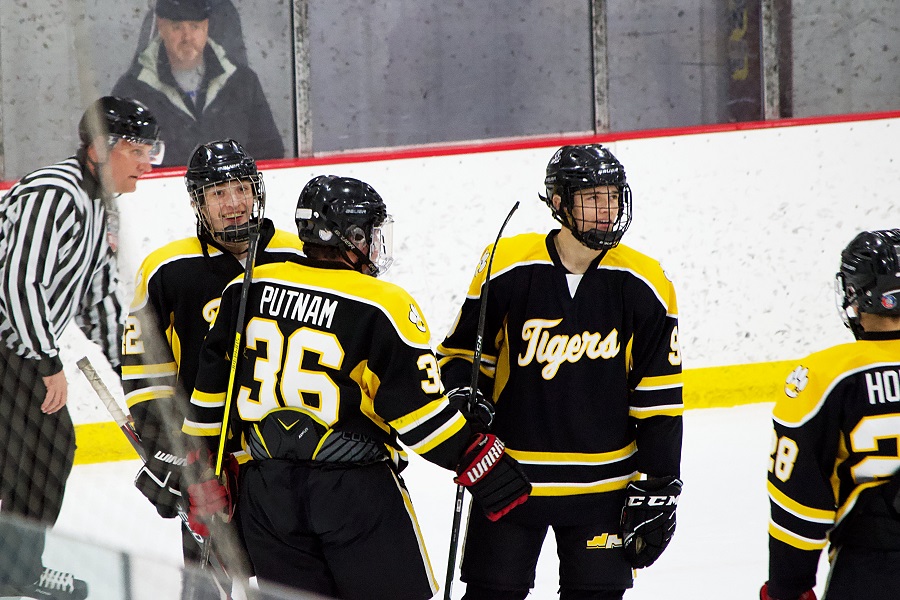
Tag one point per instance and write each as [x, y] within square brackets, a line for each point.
[56, 265]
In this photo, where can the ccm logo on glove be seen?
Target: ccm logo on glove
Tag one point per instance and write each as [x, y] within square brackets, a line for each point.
[653, 501]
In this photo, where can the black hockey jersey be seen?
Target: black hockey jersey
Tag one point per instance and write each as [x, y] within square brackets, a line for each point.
[587, 387]
[346, 349]
[177, 293]
[836, 433]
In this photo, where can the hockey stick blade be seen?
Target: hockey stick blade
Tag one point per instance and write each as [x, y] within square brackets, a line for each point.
[118, 415]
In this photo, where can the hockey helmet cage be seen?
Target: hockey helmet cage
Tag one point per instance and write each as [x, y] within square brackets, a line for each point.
[349, 214]
[216, 163]
[574, 168]
[121, 118]
[869, 277]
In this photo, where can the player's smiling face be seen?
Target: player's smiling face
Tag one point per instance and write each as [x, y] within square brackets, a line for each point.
[228, 204]
[595, 208]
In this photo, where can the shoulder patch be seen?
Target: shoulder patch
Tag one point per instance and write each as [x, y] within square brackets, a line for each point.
[415, 319]
[796, 381]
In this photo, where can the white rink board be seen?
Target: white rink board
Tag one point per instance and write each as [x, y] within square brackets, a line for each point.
[749, 224]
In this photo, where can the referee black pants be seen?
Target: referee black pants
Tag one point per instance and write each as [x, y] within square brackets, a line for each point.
[36, 455]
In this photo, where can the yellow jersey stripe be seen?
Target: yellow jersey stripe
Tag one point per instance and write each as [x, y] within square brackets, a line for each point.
[661, 382]
[645, 412]
[792, 539]
[806, 513]
[572, 458]
[574, 489]
[412, 420]
[205, 400]
[147, 371]
[445, 432]
[149, 393]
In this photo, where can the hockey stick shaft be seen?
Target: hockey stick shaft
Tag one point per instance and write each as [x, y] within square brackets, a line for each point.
[206, 550]
[127, 427]
[473, 385]
[112, 406]
[235, 351]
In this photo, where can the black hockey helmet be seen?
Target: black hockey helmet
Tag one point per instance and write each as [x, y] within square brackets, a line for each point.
[574, 168]
[348, 214]
[121, 118]
[869, 278]
[216, 163]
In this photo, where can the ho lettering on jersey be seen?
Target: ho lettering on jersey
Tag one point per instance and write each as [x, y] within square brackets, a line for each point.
[553, 350]
[279, 302]
[883, 386]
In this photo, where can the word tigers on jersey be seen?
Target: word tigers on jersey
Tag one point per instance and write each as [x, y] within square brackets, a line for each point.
[297, 306]
[560, 348]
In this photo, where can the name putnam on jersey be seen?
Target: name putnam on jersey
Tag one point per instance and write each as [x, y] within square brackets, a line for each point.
[883, 386]
[290, 304]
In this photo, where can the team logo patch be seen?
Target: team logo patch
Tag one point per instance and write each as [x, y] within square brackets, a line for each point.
[889, 301]
[415, 319]
[796, 382]
[604, 541]
[482, 264]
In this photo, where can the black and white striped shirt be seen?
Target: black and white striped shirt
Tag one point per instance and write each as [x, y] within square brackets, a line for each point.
[56, 265]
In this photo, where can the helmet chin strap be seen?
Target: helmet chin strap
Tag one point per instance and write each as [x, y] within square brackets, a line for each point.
[363, 261]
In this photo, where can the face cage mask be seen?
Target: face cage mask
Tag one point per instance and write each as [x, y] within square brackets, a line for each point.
[155, 152]
[599, 239]
[232, 234]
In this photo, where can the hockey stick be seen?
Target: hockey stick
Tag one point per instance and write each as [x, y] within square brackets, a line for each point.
[239, 326]
[473, 385]
[127, 427]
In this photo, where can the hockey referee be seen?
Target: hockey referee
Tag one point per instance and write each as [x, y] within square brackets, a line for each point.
[58, 264]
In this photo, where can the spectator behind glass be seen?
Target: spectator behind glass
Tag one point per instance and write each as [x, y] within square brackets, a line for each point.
[224, 28]
[196, 91]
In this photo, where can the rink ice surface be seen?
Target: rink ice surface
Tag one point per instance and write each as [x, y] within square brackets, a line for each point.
[719, 549]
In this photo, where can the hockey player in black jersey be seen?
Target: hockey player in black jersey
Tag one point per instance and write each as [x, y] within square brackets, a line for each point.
[177, 292]
[583, 370]
[834, 455]
[335, 371]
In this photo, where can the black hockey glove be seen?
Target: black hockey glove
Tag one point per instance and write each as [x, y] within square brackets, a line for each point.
[494, 478]
[648, 518]
[160, 480]
[478, 410]
[764, 594]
